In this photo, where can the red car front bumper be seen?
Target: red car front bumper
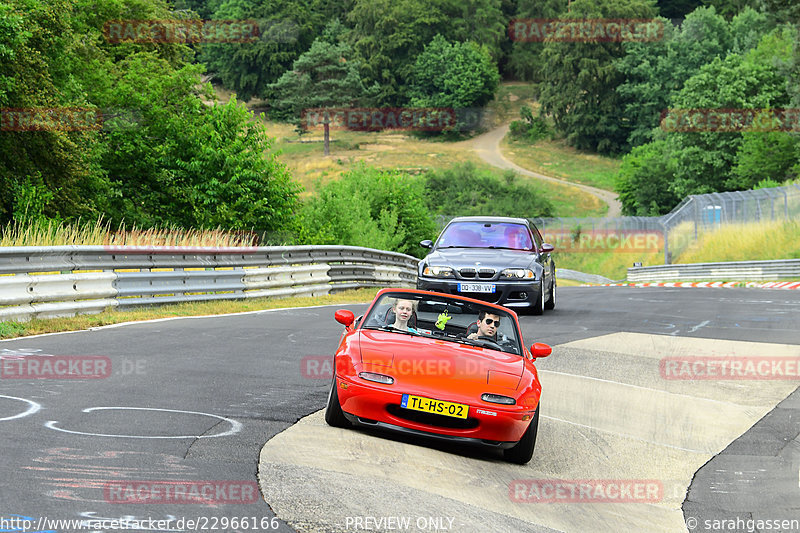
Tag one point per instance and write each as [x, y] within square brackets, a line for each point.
[371, 404]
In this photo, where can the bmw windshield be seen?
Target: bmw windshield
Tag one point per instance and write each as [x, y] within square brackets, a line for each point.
[486, 235]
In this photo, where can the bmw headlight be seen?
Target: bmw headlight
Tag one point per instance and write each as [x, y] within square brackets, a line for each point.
[438, 272]
[518, 273]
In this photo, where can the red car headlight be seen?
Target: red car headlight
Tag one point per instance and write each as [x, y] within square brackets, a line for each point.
[377, 378]
[497, 398]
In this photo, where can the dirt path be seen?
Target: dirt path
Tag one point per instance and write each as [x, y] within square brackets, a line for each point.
[487, 147]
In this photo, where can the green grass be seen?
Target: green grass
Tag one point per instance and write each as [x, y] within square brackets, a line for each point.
[555, 158]
[733, 242]
[745, 242]
[10, 329]
[508, 100]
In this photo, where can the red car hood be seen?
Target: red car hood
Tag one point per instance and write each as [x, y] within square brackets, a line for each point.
[424, 361]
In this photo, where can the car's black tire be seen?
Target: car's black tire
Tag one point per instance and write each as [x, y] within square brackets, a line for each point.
[551, 303]
[334, 415]
[538, 306]
[522, 451]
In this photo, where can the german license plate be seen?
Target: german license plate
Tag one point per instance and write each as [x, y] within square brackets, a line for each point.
[476, 287]
[429, 405]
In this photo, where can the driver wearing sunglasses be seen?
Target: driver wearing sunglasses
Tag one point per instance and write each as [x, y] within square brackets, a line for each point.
[487, 325]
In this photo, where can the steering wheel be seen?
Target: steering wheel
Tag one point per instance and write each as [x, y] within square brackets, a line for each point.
[490, 340]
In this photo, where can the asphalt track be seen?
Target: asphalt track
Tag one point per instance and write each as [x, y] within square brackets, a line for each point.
[196, 399]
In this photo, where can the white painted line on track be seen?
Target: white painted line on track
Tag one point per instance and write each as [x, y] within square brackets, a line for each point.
[33, 408]
[236, 426]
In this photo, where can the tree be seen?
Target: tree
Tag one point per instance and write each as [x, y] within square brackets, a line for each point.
[323, 77]
[36, 41]
[655, 71]
[773, 155]
[704, 159]
[286, 30]
[525, 61]
[453, 75]
[643, 181]
[579, 82]
[189, 161]
[387, 36]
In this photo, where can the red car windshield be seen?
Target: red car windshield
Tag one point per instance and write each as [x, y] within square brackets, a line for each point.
[444, 318]
[486, 235]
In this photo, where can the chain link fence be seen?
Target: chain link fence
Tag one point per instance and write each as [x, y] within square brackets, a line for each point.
[675, 231]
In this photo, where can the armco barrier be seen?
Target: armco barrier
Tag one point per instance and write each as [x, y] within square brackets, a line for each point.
[66, 280]
[735, 270]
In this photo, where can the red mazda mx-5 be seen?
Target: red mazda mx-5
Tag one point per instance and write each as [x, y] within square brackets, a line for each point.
[440, 366]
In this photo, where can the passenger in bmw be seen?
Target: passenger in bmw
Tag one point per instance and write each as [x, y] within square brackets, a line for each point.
[486, 327]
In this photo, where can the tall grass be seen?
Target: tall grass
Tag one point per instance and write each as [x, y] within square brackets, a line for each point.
[730, 242]
[98, 232]
[746, 242]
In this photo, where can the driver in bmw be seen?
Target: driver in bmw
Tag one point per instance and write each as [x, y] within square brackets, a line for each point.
[487, 326]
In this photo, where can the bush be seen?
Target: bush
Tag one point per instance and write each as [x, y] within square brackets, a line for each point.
[466, 190]
[368, 207]
[530, 128]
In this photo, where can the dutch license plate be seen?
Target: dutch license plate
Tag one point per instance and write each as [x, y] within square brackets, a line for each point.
[429, 405]
[476, 287]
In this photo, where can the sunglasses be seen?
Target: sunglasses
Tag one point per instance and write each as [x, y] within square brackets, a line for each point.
[489, 322]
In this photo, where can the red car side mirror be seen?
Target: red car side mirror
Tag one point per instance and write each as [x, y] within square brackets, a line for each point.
[540, 349]
[345, 317]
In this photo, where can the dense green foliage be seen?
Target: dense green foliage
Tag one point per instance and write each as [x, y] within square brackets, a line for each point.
[287, 29]
[368, 207]
[654, 177]
[467, 190]
[157, 151]
[579, 82]
[323, 77]
[531, 128]
[455, 75]
[163, 151]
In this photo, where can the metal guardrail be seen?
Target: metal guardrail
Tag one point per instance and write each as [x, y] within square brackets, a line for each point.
[46, 282]
[564, 273]
[735, 270]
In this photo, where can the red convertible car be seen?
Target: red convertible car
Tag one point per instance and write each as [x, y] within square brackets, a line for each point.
[441, 366]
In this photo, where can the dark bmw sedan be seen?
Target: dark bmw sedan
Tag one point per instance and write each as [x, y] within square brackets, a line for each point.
[496, 259]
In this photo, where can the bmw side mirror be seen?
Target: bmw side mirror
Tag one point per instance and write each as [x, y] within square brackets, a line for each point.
[547, 248]
[427, 243]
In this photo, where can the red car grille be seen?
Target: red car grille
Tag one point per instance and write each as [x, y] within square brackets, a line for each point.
[430, 419]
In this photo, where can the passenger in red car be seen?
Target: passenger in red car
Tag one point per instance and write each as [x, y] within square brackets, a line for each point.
[403, 311]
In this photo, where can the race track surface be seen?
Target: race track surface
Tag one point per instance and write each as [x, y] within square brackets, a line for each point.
[191, 402]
